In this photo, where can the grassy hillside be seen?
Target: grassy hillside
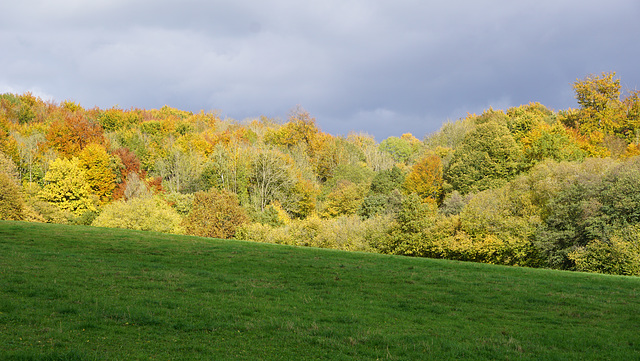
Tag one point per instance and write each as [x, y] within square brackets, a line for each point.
[82, 293]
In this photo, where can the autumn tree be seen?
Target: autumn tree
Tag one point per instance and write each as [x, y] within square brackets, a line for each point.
[228, 168]
[72, 133]
[8, 167]
[345, 199]
[300, 128]
[425, 179]
[179, 169]
[602, 110]
[215, 214]
[128, 163]
[551, 142]
[304, 198]
[66, 186]
[99, 174]
[525, 118]
[30, 151]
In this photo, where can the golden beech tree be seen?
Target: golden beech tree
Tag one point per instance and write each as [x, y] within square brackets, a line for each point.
[96, 162]
[66, 186]
[425, 179]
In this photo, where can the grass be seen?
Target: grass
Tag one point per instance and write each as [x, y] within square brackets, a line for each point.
[83, 293]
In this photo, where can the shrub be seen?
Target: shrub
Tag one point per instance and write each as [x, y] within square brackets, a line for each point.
[11, 203]
[617, 256]
[141, 213]
[215, 214]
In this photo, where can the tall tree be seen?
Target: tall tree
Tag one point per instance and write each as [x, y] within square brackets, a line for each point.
[99, 174]
[425, 179]
[271, 178]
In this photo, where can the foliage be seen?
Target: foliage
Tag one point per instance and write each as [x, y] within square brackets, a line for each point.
[98, 171]
[11, 202]
[345, 199]
[344, 232]
[179, 170]
[386, 181]
[425, 179]
[523, 186]
[402, 149]
[140, 213]
[271, 179]
[381, 204]
[72, 133]
[215, 214]
[619, 255]
[487, 158]
[8, 167]
[66, 186]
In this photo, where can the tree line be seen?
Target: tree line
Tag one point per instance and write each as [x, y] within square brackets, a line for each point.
[523, 186]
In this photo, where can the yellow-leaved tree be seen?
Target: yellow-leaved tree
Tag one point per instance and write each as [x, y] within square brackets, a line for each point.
[66, 186]
[96, 163]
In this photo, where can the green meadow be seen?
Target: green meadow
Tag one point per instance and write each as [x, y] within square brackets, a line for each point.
[86, 293]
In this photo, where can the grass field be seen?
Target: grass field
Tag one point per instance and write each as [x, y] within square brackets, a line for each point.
[83, 293]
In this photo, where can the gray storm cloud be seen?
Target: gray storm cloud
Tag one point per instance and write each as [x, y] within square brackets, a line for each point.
[382, 67]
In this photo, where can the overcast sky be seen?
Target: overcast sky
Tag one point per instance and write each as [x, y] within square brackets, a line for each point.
[385, 67]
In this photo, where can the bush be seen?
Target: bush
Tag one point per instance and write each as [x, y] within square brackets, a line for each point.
[345, 233]
[141, 213]
[215, 214]
[11, 203]
[618, 256]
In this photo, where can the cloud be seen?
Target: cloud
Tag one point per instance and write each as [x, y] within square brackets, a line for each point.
[384, 67]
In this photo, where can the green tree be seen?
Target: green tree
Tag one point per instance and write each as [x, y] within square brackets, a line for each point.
[387, 180]
[180, 169]
[551, 142]
[487, 158]
[402, 149]
[29, 146]
[215, 214]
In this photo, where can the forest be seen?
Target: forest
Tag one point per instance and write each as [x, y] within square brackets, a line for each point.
[526, 186]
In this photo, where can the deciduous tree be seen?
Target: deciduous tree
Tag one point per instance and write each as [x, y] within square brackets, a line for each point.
[425, 179]
[99, 174]
[66, 186]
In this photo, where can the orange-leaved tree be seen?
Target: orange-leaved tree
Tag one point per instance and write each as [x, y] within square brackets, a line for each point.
[72, 133]
[425, 179]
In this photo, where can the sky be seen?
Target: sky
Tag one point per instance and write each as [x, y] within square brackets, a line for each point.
[382, 67]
